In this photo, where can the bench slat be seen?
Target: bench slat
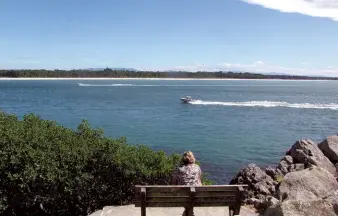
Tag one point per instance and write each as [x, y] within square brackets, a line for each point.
[160, 194]
[187, 199]
[165, 199]
[196, 204]
[215, 194]
[183, 190]
[185, 186]
[199, 194]
[170, 188]
[223, 189]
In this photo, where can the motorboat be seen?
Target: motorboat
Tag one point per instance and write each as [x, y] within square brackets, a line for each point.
[186, 99]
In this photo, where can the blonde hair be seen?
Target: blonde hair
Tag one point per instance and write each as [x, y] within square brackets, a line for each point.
[188, 158]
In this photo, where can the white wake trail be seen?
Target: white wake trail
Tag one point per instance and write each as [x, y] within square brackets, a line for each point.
[269, 104]
[102, 85]
[179, 85]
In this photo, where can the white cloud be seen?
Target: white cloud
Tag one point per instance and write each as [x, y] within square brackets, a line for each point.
[315, 8]
[256, 67]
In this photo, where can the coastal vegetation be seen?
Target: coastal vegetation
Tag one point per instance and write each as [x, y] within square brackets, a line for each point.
[121, 73]
[47, 169]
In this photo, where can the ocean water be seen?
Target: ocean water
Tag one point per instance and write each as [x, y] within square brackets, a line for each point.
[232, 123]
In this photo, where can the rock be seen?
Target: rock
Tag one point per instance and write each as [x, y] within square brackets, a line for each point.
[307, 184]
[297, 167]
[251, 174]
[258, 203]
[272, 189]
[283, 166]
[288, 159]
[259, 182]
[271, 172]
[262, 188]
[252, 200]
[270, 201]
[329, 147]
[306, 152]
[317, 207]
[333, 199]
[279, 173]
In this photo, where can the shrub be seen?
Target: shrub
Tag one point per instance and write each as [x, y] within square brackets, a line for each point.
[279, 179]
[46, 169]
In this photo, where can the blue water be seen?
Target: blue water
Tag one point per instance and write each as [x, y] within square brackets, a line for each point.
[233, 123]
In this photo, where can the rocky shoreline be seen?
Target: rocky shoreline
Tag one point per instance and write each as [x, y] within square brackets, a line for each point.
[303, 183]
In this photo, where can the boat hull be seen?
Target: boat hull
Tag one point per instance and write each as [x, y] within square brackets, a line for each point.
[184, 100]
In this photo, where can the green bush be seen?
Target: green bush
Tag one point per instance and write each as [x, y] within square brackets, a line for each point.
[46, 169]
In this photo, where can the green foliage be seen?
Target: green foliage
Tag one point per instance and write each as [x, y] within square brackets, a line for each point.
[279, 179]
[46, 169]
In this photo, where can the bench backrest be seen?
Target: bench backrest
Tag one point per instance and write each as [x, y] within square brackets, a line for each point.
[182, 196]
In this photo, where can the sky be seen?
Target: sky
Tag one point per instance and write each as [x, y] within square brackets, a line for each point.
[297, 37]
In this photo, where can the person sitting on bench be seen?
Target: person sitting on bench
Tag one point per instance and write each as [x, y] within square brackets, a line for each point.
[188, 172]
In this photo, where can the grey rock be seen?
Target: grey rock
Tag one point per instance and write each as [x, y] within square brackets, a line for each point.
[297, 167]
[272, 189]
[262, 188]
[307, 184]
[307, 152]
[279, 172]
[271, 172]
[283, 166]
[333, 199]
[329, 147]
[316, 207]
[252, 200]
[288, 159]
[258, 203]
[270, 201]
[259, 182]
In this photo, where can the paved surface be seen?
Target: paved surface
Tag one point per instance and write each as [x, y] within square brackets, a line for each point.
[131, 210]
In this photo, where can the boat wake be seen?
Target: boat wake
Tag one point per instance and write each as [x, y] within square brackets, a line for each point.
[176, 85]
[268, 104]
[102, 85]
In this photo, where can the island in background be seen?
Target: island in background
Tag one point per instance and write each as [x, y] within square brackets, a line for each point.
[131, 73]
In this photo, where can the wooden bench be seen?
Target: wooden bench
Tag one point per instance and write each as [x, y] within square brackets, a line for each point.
[190, 197]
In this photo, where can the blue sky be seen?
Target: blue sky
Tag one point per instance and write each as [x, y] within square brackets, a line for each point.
[288, 36]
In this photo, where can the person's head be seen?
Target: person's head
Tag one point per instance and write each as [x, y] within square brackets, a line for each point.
[188, 158]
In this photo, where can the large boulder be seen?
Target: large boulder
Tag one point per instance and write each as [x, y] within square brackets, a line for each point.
[260, 184]
[316, 207]
[307, 153]
[308, 184]
[330, 148]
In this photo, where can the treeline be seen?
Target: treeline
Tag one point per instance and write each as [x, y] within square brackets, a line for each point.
[47, 169]
[111, 73]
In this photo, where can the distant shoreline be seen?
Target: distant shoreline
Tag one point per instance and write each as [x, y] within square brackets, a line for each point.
[168, 79]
